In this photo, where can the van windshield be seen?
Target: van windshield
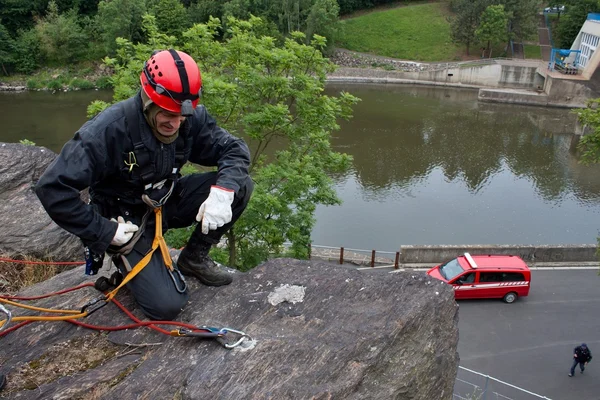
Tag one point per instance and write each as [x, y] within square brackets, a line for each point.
[451, 269]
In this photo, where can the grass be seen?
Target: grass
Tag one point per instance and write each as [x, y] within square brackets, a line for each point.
[419, 32]
[532, 51]
[66, 78]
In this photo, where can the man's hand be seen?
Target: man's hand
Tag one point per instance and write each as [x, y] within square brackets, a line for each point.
[216, 210]
[124, 233]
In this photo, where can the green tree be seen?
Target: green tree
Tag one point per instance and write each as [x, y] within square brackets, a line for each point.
[522, 17]
[171, 17]
[62, 40]
[27, 51]
[322, 20]
[120, 18]
[466, 20]
[7, 50]
[202, 10]
[590, 143]
[492, 27]
[273, 96]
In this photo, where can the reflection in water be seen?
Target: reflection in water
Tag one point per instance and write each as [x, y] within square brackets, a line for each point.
[431, 166]
[434, 166]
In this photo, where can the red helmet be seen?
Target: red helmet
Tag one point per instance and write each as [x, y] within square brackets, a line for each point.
[172, 80]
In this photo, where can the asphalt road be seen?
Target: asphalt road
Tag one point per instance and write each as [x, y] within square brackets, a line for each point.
[530, 343]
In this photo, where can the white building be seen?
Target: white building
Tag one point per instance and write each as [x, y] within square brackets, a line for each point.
[587, 41]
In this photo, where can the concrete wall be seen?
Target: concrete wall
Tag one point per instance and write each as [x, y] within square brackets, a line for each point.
[542, 253]
[492, 75]
[574, 93]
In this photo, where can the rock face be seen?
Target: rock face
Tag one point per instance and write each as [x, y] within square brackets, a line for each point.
[320, 331]
[27, 230]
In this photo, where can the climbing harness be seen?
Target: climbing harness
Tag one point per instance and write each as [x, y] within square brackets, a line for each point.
[103, 284]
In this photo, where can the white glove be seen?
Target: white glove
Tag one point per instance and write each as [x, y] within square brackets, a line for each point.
[124, 233]
[216, 210]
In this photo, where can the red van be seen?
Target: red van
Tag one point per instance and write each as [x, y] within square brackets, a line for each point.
[485, 276]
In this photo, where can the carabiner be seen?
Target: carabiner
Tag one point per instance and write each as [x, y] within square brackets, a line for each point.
[243, 336]
[8, 317]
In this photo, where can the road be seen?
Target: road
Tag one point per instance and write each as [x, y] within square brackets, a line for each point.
[530, 343]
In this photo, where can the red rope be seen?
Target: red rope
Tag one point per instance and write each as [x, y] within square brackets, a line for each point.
[138, 323]
[9, 260]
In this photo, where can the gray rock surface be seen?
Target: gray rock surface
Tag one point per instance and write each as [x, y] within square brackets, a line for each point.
[319, 330]
[27, 230]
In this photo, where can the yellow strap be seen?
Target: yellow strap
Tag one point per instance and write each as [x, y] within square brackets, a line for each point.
[50, 310]
[159, 241]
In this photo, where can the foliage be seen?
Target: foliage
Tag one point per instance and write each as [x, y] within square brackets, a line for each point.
[171, 17]
[272, 95]
[466, 21]
[522, 17]
[79, 83]
[349, 6]
[7, 46]
[62, 40]
[406, 36]
[27, 142]
[322, 19]
[492, 27]
[201, 10]
[590, 143]
[120, 19]
[27, 54]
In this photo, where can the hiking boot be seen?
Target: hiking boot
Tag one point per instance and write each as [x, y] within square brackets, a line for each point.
[194, 261]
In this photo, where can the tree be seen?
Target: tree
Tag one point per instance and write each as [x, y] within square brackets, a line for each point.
[7, 45]
[62, 40]
[522, 17]
[273, 95]
[322, 20]
[171, 17]
[492, 28]
[120, 18]
[467, 19]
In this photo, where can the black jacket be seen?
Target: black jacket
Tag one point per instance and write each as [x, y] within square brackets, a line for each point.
[96, 158]
[583, 354]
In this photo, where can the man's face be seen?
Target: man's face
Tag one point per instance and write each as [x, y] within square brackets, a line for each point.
[167, 123]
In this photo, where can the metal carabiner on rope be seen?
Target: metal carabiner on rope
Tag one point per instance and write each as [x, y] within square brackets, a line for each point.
[8, 317]
[243, 336]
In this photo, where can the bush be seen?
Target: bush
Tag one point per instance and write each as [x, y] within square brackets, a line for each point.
[104, 82]
[33, 84]
[79, 83]
[54, 84]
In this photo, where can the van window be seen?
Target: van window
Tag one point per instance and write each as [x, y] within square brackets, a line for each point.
[501, 277]
[512, 277]
[468, 278]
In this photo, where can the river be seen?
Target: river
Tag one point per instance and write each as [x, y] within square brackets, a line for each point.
[431, 166]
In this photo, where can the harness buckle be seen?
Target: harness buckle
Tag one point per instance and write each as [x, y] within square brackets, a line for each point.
[8, 317]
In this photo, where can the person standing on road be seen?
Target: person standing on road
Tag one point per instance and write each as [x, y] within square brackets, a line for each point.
[582, 355]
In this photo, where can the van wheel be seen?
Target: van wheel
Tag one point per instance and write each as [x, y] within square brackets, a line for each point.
[510, 297]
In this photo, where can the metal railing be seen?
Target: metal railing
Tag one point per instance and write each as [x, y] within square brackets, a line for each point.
[490, 389]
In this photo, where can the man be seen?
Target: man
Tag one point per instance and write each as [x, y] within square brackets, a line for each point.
[582, 356]
[130, 156]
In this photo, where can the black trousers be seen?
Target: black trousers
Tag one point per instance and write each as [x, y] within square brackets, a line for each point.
[158, 291]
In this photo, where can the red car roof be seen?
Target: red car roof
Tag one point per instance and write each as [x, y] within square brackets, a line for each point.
[493, 261]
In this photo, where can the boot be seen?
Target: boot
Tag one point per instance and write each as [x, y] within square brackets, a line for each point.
[194, 261]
